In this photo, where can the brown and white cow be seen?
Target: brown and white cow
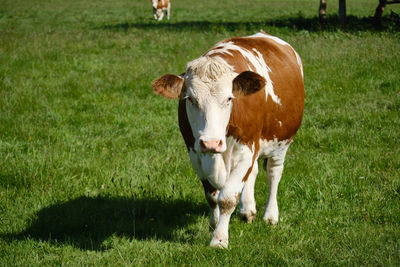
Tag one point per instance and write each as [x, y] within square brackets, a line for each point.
[159, 6]
[241, 100]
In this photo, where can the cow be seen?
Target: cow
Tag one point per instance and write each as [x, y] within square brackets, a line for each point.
[240, 101]
[159, 6]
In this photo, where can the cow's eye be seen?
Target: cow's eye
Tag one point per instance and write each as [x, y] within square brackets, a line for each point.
[229, 100]
[190, 99]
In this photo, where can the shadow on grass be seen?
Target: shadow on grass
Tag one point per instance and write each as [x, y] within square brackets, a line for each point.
[86, 222]
[389, 23]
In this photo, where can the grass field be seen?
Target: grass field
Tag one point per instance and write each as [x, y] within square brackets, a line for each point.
[93, 170]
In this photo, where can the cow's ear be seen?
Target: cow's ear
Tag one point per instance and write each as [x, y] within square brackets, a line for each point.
[247, 83]
[168, 85]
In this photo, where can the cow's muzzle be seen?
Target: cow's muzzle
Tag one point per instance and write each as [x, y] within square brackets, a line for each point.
[211, 146]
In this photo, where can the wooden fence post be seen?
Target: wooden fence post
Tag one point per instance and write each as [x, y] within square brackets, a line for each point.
[322, 11]
[342, 12]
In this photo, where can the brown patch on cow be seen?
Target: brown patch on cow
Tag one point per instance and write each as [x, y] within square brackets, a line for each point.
[208, 188]
[247, 118]
[161, 4]
[226, 206]
[237, 197]
[288, 86]
[168, 85]
[255, 156]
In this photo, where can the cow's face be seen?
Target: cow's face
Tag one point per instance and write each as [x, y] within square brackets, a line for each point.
[208, 108]
[208, 99]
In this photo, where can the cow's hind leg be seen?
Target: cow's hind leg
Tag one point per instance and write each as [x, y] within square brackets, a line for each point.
[274, 170]
[247, 203]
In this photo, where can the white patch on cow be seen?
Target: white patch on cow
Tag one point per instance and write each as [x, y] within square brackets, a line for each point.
[280, 123]
[214, 170]
[236, 152]
[209, 94]
[276, 39]
[257, 61]
[272, 148]
[155, 3]
[263, 70]
[259, 34]
[209, 69]
[299, 62]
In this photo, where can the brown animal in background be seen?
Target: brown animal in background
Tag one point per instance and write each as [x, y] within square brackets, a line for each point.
[159, 6]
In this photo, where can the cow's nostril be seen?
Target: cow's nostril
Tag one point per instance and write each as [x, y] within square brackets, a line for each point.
[202, 145]
[220, 144]
[210, 145]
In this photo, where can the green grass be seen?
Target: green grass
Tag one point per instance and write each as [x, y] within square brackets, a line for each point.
[93, 170]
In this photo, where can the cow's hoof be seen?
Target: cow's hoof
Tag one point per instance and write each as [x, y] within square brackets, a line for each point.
[271, 215]
[248, 217]
[270, 219]
[219, 243]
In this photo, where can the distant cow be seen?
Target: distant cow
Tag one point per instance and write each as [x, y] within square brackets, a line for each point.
[159, 6]
[241, 100]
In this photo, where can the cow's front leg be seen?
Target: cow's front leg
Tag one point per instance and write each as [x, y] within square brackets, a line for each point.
[247, 207]
[155, 13]
[228, 199]
[160, 14]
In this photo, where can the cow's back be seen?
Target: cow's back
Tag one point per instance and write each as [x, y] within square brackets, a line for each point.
[162, 4]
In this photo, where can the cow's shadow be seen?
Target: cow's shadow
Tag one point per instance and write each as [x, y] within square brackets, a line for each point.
[86, 222]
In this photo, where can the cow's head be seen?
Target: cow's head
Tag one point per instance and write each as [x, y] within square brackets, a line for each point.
[208, 87]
